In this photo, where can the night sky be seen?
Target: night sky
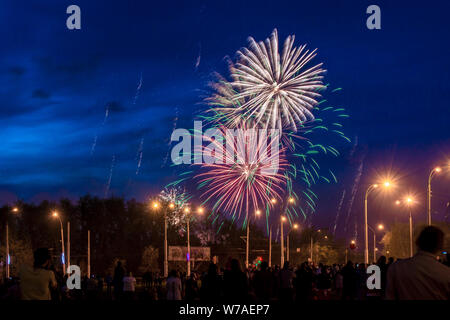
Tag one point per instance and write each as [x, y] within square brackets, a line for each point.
[77, 105]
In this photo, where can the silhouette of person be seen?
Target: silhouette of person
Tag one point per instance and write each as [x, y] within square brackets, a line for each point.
[421, 277]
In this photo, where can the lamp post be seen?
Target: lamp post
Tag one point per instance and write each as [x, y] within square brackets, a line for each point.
[409, 201]
[156, 205]
[282, 220]
[247, 242]
[270, 247]
[294, 227]
[386, 184]
[380, 227]
[435, 170]
[8, 258]
[55, 214]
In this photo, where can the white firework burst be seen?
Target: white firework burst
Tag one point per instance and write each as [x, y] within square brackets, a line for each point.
[176, 197]
[272, 91]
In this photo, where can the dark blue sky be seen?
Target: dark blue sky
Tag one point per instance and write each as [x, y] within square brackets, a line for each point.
[56, 85]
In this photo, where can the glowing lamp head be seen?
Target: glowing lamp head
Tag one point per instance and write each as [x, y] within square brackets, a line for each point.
[438, 169]
[200, 210]
[55, 214]
[398, 202]
[258, 212]
[291, 200]
[326, 237]
[380, 227]
[386, 184]
[295, 226]
[409, 200]
[171, 206]
[273, 200]
[283, 218]
[375, 185]
[155, 205]
[15, 209]
[186, 210]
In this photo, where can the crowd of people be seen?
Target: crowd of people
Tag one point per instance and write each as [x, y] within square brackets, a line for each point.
[419, 277]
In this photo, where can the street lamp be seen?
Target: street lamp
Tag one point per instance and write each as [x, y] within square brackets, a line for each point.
[55, 214]
[283, 220]
[156, 205]
[435, 170]
[386, 184]
[8, 257]
[294, 227]
[379, 227]
[409, 201]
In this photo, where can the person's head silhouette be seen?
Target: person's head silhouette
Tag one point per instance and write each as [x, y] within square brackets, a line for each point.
[431, 239]
[41, 258]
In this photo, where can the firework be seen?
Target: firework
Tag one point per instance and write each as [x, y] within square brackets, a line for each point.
[177, 199]
[271, 91]
[248, 174]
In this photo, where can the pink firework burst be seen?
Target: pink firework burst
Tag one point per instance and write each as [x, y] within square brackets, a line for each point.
[244, 170]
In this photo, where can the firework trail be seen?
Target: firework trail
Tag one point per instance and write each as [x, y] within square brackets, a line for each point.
[338, 212]
[111, 170]
[94, 144]
[140, 151]
[138, 89]
[272, 91]
[199, 57]
[353, 194]
[139, 155]
[174, 125]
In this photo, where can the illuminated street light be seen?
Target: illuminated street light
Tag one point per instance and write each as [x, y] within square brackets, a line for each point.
[273, 200]
[294, 227]
[200, 210]
[8, 258]
[409, 201]
[379, 227]
[435, 170]
[291, 200]
[171, 206]
[55, 214]
[386, 184]
[155, 206]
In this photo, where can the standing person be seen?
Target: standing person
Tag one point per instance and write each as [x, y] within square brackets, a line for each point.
[211, 289]
[304, 282]
[173, 286]
[235, 283]
[338, 283]
[109, 281]
[129, 286]
[421, 277]
[286, 286]
[36, 281]
[349, 281]
[324, 283]
[263, 283]
[191, 291]
[119, 273]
